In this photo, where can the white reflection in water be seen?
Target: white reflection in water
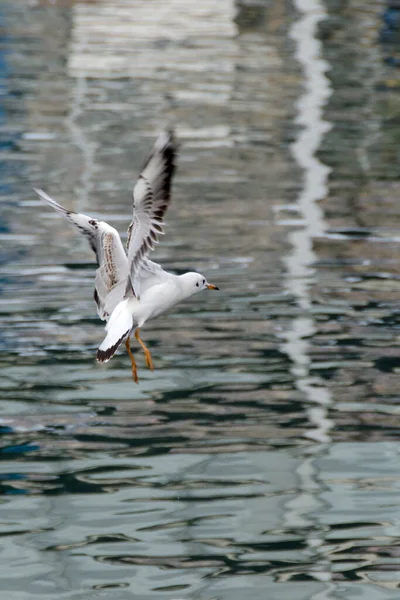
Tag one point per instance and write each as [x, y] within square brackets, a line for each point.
[301, 510]
[151, 39]
[299, 263]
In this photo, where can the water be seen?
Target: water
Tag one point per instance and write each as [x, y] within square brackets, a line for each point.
[260, 458]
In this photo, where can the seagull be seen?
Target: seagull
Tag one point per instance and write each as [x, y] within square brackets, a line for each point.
[130, 289]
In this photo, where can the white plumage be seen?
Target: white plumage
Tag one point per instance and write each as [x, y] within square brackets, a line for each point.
[130, 289]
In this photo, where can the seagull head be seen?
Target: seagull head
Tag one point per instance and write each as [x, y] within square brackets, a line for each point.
[195, 282]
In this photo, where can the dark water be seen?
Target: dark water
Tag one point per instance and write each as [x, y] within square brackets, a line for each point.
[260, 460]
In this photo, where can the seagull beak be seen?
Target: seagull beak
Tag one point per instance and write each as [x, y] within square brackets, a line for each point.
[210, 286]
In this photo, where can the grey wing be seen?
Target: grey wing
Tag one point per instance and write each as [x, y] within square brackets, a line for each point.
[151, 197]
[150, 274]
[113, 271]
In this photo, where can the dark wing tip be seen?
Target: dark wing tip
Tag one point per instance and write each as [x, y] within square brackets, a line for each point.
[169, 151]
[167, 145]
[166, 139]
[105, 355]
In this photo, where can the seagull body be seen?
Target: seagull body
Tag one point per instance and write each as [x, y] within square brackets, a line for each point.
[130, 289]
[156, 299]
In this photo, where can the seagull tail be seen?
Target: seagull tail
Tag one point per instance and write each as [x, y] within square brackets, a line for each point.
[118, 329]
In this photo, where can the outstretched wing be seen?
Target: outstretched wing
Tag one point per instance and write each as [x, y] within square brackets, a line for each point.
[113, 271]
[151, 197]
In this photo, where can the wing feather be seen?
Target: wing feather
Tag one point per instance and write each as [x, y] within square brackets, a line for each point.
[113, 269]
[118, 328]
[151, 197]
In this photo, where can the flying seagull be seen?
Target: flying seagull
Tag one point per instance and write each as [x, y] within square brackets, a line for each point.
[130, 289]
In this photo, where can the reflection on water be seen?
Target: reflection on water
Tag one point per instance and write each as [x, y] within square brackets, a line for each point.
[299, 263]
[260, 458]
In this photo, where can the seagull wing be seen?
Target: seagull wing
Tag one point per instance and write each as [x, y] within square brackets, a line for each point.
[113, 270]
[151, 197]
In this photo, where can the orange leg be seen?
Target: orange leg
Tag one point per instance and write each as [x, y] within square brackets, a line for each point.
[134, 367]
[146, 351]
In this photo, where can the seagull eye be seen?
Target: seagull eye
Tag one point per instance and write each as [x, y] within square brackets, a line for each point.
[197, 284]
[204, 280]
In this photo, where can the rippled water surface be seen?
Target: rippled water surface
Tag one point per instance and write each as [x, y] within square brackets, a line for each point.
[260, 459]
